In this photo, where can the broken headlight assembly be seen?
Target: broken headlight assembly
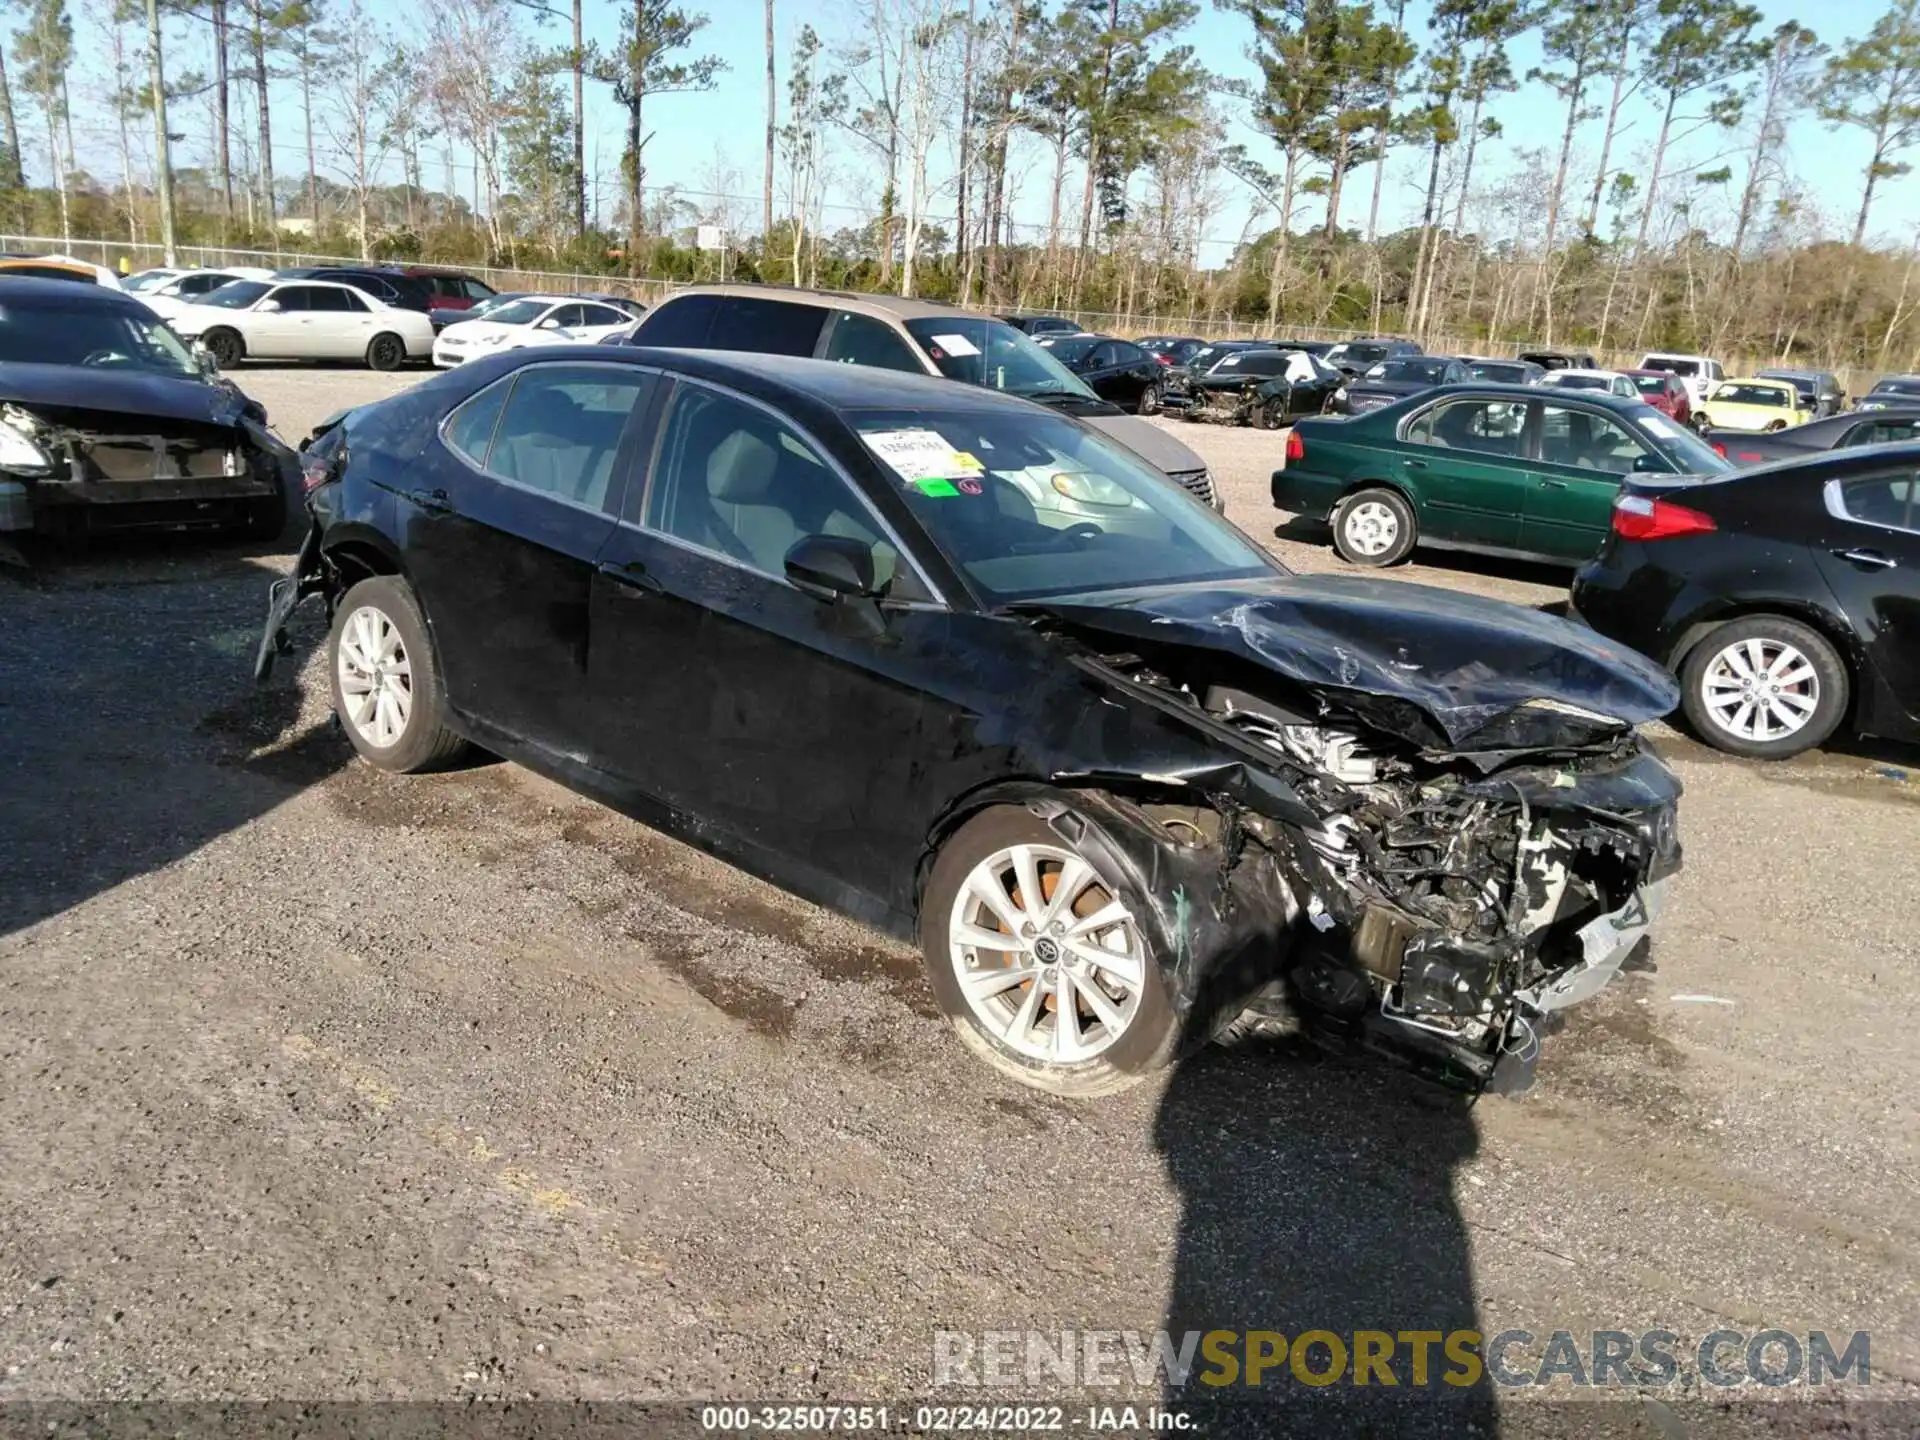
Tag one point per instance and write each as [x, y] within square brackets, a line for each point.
[20, 451]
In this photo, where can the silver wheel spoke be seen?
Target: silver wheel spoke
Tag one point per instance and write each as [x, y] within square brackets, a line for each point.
[1020, 1029]
[987, 890]
[1805, 704]
[1073, 879]
[1026, 873]
[1067, 1040]
[1105, 918]
[1097, 1001]
[1124, 968]
[982, 984]
[982, 938]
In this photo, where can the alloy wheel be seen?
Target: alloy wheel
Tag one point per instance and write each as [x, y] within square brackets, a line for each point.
[1760, 689]
[1371, 527]
[1049, 959]
[376, 677]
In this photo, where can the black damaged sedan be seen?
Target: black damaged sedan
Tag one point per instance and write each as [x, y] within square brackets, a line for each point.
[960, 667]
[109, 421]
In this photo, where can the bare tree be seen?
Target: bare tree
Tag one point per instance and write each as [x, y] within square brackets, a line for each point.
[351, 118]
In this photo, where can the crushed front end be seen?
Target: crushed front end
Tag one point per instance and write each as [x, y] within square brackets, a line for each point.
[65, 468]
[1463, 860]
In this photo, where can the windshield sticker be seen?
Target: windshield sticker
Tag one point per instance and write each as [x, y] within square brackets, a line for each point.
[943, 488]
[916, 455]
[956, 345]
[971, 487]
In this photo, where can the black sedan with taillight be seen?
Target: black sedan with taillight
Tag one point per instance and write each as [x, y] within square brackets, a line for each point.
[1816, 437]
[1786, 597]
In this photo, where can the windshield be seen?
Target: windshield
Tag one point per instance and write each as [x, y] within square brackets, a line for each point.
[1032, 505]
[1670, 365]
[1498, 373]
[1356, 354]
[1070, 351]
[235, 294]
[1409, 372]
[516, 312]
[1208, 356]
[978, 351]
[147, 280]
[1897, 387]
[93, 336]
[1691, 454]
[1737, 394]
[1582, 382]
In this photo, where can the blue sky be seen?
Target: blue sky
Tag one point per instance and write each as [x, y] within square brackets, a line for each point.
[1829, 163]
[710, 144]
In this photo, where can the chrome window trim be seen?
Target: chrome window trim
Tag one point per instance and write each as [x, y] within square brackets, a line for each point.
[509, 379]
[821, 453]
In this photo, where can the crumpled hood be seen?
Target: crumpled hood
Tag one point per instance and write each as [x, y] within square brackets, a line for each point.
[1438, 668]
[1149, 442]
[72, 387]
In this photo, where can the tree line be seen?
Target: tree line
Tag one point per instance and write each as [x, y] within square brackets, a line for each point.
[1661, 208]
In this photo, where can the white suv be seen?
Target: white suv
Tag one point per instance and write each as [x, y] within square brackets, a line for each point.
[1698, 372]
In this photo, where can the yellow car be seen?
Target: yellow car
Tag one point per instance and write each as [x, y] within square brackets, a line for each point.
[1753, 405]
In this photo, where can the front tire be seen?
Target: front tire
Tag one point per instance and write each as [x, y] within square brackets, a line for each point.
[1150, 400]
[1071, 1000]
[387, 689]
[1374, 527]
[386, 352]
[226, 347]
[1764, 687]
[1273, 415]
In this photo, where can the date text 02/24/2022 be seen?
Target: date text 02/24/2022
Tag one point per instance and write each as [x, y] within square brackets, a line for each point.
[938, 1419]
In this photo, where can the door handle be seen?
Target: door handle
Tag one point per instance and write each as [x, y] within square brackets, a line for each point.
[1871, 558]
[1416, 464]
[631, 575]
[1553, 484]
[434, 502]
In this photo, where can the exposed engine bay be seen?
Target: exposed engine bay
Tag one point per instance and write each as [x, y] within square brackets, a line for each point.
[100, 467]
[1445, 910]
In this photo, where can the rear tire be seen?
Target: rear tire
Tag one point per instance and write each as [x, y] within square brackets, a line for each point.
[1150, 400]
[1374, 527]
[226, 347]
[386, 351]
[1015, 1027]
[1273, 415]
[1764, 687]
[386, 684]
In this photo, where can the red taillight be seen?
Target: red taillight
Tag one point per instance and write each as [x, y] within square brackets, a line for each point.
[1296, 447]
[1164, 359]
[1639, 517]
[1719, 449]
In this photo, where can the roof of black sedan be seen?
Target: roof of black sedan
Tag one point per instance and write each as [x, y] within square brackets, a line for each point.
[38, 294]
[826, 382]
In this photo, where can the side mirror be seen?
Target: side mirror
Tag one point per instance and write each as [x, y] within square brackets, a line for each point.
[203, 357]
[831, 567]
[550, 323]
[1647, 463]
[268, 307]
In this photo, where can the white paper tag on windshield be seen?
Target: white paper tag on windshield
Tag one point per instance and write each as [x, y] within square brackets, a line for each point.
[1230, 360]
[919, 454]
[956, 344]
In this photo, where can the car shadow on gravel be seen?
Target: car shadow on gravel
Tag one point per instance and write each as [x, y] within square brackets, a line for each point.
[1464, 562]
[1318, 1195]
[136, 737]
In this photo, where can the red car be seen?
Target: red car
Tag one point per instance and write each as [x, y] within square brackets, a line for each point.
[1665, 392]
[451, 289]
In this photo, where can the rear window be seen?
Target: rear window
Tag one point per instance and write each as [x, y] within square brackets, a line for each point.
[1651, 384]
[1672, 365]
[765, 327]
[1737, 394]
[681, 323]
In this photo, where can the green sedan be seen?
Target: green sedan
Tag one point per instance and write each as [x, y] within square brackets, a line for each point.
[1503, 469]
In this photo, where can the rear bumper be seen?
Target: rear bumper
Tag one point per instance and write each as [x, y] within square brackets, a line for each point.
[1301, 492]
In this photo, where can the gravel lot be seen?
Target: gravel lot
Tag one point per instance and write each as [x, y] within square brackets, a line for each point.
[317, 1083]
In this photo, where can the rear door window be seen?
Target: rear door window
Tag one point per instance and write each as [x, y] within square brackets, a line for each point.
[1487, 427]
[1587, 440]
[295, 297]
[766, 327]
[561, 429]
[1888, 500]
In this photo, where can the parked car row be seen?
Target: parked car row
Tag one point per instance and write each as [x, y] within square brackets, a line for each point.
[1783, 593]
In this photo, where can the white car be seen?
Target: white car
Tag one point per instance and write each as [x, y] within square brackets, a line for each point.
[1700, 374]
[168, 292]
[530, 320]
[1606, 382]
[303, 320]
